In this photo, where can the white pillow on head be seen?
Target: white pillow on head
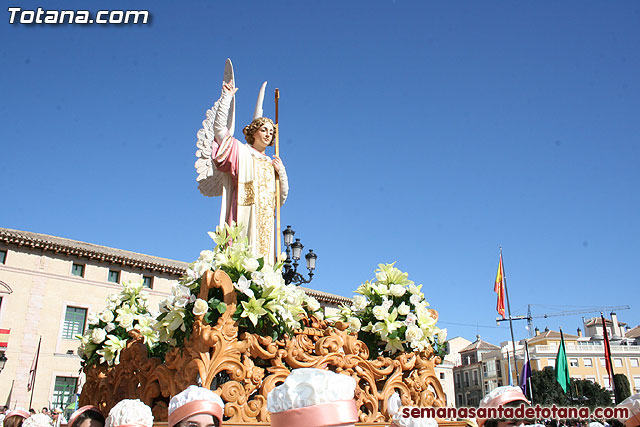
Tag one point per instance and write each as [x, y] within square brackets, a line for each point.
[632, 403]
[38, 420]
[129, 411]
[191, 394]
[309, 387]
[499, 391]
[395, 410]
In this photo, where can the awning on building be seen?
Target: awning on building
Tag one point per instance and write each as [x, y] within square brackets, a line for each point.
[4, 338]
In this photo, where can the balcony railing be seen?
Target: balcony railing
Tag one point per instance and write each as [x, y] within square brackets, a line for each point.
[586, 349]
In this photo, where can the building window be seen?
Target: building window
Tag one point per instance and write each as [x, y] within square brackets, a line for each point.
[77, 270]
[147, 282]
[114, 276]
[602, 361]
[3, 256]
[73, 322]
[617, 362]
[475, 377]
[573, 362]
[634, 362]
[636, 384]
[587, 362]
[64, 393]
[458, 379]
[552, 363]
[466, 379]
[441, 375]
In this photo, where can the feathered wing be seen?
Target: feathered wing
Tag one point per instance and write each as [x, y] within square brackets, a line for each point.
[209, 179]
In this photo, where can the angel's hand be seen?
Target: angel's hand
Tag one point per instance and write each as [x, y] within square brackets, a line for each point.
[228, 88]
[277, 164]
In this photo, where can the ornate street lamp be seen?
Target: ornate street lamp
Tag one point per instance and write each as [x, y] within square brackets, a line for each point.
[293, 251]
[3, 361]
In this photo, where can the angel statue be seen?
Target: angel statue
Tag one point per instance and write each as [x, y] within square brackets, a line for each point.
[241, 173]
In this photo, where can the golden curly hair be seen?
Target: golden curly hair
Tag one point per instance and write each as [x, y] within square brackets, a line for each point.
[256, 124]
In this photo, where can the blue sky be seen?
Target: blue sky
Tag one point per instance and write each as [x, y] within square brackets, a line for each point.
[427, 133]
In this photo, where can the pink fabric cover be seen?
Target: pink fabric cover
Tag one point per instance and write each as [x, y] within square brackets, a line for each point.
[193, 408]
[512, 395]
[633, 421]
[19, 413]
[339, 413]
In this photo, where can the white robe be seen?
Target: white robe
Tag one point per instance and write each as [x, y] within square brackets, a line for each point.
[249, 187]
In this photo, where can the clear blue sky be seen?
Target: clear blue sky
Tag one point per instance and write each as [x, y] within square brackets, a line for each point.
[427, 133]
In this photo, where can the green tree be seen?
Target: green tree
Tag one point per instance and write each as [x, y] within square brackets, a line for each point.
[588, 393]
[623, 388]
[547, 391]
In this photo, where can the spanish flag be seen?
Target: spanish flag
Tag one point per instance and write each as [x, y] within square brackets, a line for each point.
[498, 288]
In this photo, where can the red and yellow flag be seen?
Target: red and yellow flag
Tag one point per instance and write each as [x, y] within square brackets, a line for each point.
[498, 288]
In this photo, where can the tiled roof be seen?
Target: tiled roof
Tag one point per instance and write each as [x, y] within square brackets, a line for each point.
[480, 345]
[633, 332]
[552, 335]
[92, 251]
[598, 321]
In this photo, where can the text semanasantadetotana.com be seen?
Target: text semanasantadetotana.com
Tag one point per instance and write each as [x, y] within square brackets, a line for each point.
[18, 15]
[519, 412]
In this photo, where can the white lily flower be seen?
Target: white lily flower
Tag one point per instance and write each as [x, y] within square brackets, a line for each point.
[244, 286]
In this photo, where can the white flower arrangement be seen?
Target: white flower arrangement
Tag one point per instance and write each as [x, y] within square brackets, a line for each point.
[107, 332]
[266, 305]
[390, 314]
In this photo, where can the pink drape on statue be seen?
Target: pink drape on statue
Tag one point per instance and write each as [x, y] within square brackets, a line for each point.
[225, 159]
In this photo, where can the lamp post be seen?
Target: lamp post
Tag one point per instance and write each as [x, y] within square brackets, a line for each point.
[3, 361]
[293, 251]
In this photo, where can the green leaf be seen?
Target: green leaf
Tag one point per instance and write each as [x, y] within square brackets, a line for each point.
[222, 307]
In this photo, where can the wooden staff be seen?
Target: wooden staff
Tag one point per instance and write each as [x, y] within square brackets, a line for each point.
[277, 237]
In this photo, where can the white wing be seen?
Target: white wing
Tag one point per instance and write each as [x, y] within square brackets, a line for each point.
[209, 179]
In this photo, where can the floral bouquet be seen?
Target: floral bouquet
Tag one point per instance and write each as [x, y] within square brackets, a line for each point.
[266, 305]
[107, 333]
[390, 314]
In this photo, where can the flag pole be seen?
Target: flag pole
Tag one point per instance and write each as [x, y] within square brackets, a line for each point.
[32, 382]
[565, 356]
[607, 355]
[513, 341]
[277, 234]
[526, 349]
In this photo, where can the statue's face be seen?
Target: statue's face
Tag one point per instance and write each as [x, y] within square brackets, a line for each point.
[263, 137]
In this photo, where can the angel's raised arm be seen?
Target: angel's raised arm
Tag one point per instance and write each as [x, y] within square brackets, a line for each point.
[221, 122]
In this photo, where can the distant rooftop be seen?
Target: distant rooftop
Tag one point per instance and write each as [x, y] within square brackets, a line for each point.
[551, 334]
[479, 344]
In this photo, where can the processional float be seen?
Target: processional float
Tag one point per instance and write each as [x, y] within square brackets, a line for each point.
[213, 332]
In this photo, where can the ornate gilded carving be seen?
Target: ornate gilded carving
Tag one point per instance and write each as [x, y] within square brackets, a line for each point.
[243, 369]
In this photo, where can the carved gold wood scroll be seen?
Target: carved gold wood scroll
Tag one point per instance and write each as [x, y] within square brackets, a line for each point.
[243, 369]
